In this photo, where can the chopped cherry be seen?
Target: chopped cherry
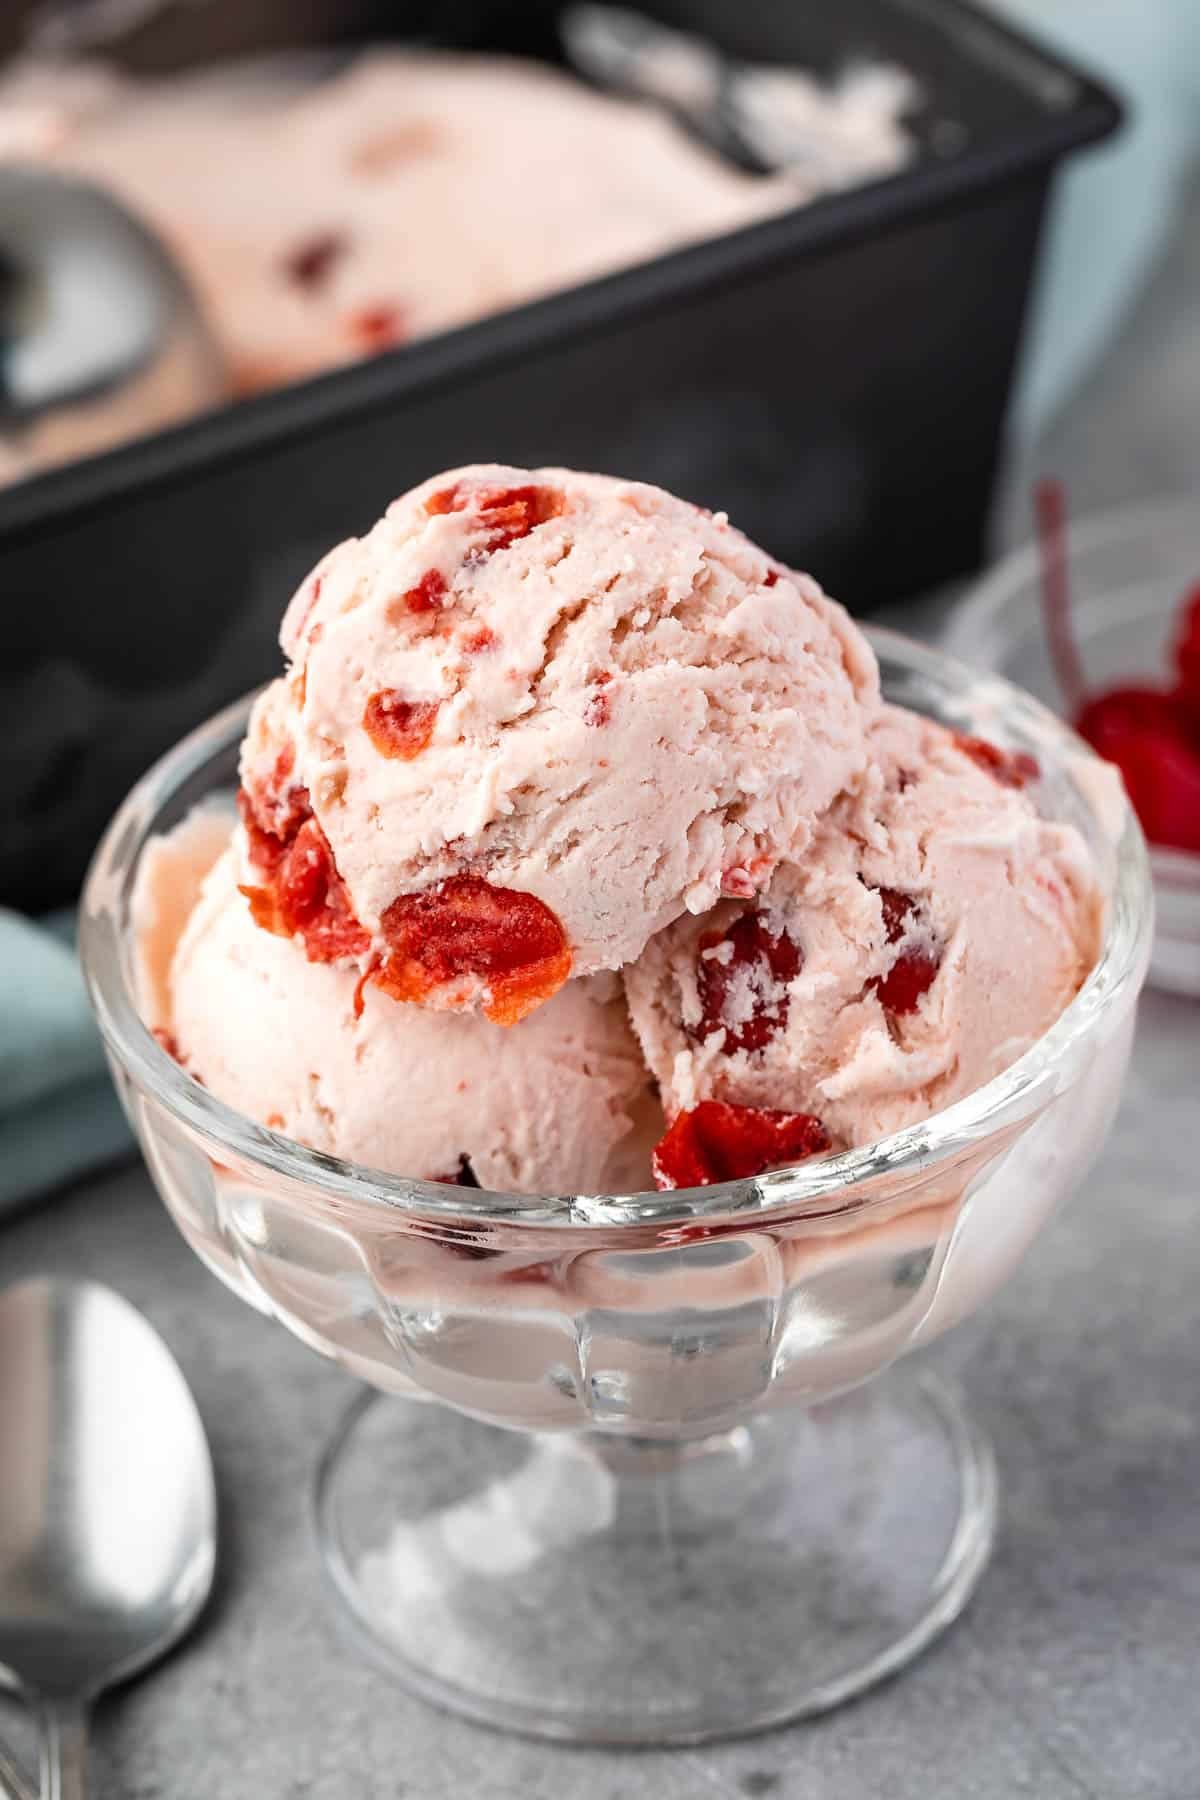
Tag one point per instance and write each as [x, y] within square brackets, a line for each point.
[915, 968]
[897, 910]
[426, 596]
[508, 513]
[360, 989]
[281, 806]
[397, 727]
[742, 881]
[301, 893]
[770, 578]
[742, 975]
[716, 1141]
[466, 927]
[597, 709]
[377, 327]
[310, 264]
[1011, 768]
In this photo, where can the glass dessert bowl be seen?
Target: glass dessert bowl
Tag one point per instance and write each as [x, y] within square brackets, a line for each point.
[664, 1505]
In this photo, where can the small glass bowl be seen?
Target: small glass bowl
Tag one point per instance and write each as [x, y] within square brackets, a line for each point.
[658, 1504]
[1127, 572]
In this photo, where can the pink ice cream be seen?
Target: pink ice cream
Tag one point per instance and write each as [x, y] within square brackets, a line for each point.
[531, 719]
[562, 1102]
[325, 220]
[541, 727]
[934, 929]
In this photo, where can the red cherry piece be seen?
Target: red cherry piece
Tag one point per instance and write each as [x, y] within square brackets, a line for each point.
[770, 578]
[1011, 768]
[427, 595]
[716, 1141]
[914, 971]
[301, 893]
[742, 975]
[477, 643]
[597, 708]
[280, 806]
[446, 500]
[360, 995]
[898, 909]
[466, 927]
[508, 513]
[377, 327]
[311, 263]
[399, 728]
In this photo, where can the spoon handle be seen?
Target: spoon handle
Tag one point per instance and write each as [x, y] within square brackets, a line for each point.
[64, 1749]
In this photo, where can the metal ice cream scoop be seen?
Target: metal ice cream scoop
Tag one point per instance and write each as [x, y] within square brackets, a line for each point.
[100, 335]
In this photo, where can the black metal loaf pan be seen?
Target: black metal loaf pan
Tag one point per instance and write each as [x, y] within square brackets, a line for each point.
[836, 378]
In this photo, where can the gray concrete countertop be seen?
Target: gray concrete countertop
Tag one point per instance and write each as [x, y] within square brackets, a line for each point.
[1072, 1674]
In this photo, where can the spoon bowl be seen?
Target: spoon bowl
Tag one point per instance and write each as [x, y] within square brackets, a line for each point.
[107, 1499]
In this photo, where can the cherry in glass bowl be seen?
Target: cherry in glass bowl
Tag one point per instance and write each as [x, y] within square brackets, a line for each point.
[631, 1478]
[1127, 576]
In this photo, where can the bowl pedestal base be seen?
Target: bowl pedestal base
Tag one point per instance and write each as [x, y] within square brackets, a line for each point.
[600, 1589]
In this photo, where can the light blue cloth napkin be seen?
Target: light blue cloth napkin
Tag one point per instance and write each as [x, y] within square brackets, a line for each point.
[59, 1113]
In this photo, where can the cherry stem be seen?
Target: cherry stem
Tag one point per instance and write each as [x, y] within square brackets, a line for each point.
[1050, 510]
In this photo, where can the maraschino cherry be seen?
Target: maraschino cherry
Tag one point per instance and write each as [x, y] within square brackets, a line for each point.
[1152, 733]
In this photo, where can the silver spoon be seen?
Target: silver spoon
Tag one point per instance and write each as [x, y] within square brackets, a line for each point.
[107, 1507]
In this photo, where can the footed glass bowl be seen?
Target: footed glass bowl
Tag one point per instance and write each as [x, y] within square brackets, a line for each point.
[658, 1502]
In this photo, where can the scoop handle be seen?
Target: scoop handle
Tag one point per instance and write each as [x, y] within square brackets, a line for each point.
[64, 1749]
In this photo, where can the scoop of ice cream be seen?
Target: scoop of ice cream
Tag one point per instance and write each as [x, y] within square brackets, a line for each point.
[532, 717]
[562, 1103]
[936, 927]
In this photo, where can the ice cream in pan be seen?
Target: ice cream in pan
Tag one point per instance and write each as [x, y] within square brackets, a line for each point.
[325, 219]
[578, 823]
